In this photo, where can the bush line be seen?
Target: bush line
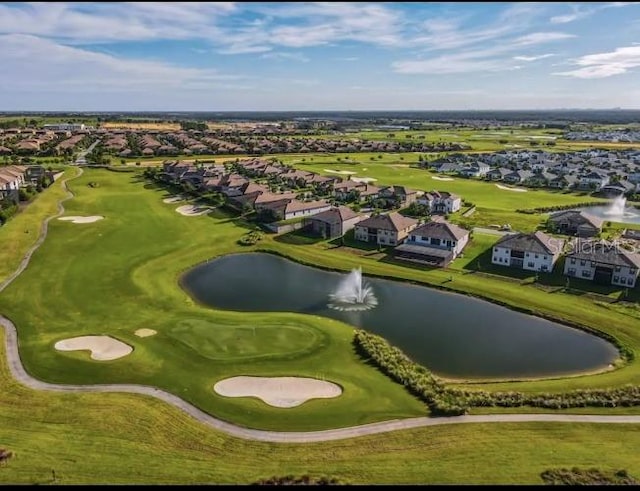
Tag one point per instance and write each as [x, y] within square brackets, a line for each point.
[448, 401]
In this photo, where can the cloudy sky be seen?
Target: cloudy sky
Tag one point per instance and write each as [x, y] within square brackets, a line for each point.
[229, 56]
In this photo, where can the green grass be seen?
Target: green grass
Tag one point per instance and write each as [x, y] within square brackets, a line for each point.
[482, 140]
[122, 438]
[121, 274]
[142, 440]
[22, 231]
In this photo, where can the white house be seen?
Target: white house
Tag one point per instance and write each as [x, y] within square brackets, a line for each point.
[437, 242]
[440, 201]
[602, 262]
[534, 252]
[12, 178]
[64, 127]
[292, 208]
[477, 169]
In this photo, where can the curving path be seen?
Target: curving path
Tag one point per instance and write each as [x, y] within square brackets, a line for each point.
[20, 374]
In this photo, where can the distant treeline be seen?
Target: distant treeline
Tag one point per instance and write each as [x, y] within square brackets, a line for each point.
[613, 116]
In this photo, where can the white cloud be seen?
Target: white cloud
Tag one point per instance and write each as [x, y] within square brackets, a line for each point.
[533, 58]
[282, 56]
[602, 65]
[40, 63]
[578, 13]
[483, 60]
[542, 37]
[113, 21]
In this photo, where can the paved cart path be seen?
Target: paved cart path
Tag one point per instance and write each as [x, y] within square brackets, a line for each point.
[20, 374]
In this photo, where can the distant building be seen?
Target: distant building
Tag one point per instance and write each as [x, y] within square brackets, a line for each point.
[65, 127]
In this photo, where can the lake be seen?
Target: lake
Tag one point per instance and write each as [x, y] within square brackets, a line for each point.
[453, 335]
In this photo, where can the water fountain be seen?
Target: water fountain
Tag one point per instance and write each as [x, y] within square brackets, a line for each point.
[353, 294]
[618, 208]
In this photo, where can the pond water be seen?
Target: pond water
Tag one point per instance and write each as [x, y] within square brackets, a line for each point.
[451, 334]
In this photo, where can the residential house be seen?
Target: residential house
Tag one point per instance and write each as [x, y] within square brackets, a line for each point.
[593, 181]
[286, 209]
[398, 196]
[618, 188]
[477, 169]
[540, 179]
[12, 178]
[498, 174]
[575, 222]
[437, 242]
[335, 222]
[440, 201]
[564, 181]
[518, 176]
[388, 229]
[602, 262]
[349, 189]
[534, 252]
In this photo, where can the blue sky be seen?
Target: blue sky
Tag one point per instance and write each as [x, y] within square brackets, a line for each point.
[226, 56]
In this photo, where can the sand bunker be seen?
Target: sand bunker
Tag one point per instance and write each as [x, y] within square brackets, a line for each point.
[442, 178]
[102, 347]
[90, 219]
[193, 211]
[363, 179]
[144, 332]
[173, 199]
[278, 391]
[339, 171]
[518, 190]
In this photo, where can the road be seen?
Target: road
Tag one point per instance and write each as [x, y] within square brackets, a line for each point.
[80, 160]
[18, 371]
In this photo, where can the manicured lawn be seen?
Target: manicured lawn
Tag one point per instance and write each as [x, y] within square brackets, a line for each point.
[121, 274]
[121, 439]
[22, 231]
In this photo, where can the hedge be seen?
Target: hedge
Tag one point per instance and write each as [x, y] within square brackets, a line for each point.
[448, 401]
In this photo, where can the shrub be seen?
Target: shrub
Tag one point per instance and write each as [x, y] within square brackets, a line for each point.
[593, 476]
[5, 455]
[292, 480]
[251, 238]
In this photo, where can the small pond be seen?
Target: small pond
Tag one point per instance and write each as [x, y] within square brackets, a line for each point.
[451, 334]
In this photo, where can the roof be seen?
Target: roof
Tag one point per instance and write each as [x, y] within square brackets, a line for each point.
[603, 252]
[389, 221]
[441, 230]
[424, 250]
[337, 214]
[537, 242]
[579, 216]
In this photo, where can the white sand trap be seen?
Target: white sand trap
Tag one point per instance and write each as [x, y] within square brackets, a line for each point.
[74, 219]
[278, 391]
[505, 188]
[102, 347]
[173, 199]
[363, 179]
[193, 211]
[339, 171]
[145, 333]
[442, 178]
